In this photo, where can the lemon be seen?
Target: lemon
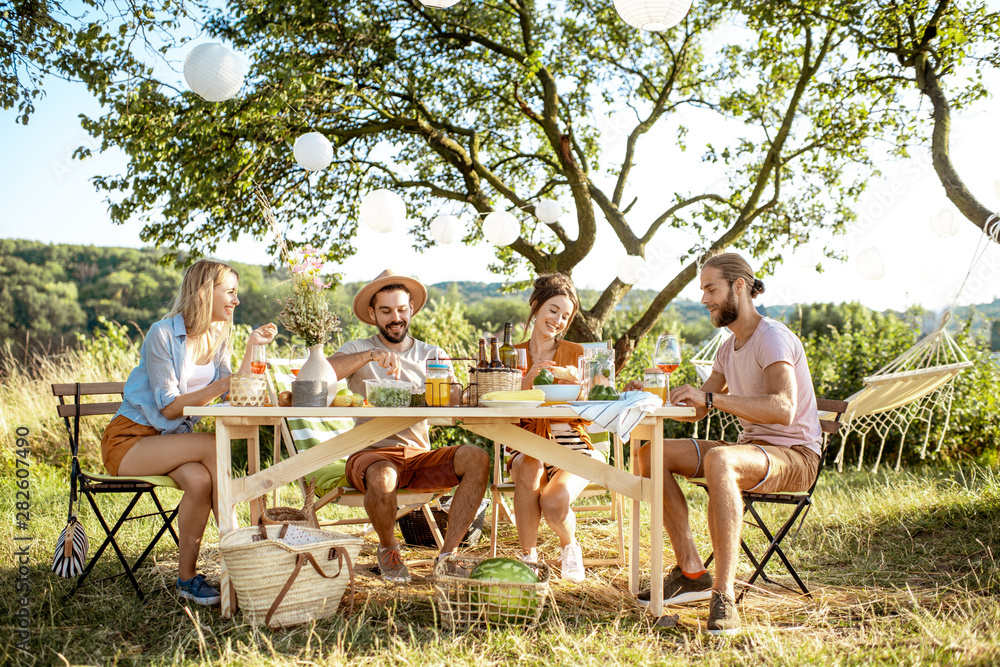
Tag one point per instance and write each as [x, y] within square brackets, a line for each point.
[345, 392]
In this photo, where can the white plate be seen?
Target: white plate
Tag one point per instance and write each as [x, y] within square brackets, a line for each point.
[511, 404]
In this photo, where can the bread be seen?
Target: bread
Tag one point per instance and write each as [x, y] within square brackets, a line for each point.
[565, 374]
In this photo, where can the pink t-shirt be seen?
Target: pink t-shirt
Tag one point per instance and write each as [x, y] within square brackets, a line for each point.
[743, 369]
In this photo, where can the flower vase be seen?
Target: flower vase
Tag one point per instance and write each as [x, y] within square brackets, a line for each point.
[316, 384]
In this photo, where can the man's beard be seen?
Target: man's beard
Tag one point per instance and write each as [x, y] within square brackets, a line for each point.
[727, 313]
[394, 338]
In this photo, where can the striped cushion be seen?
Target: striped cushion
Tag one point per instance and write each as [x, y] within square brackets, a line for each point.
[308, 432]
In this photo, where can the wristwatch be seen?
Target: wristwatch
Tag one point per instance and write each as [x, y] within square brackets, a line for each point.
[708, 400]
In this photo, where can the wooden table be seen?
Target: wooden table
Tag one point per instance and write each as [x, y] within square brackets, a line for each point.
[496, 424]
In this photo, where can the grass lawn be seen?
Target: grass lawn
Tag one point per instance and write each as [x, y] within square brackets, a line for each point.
[902, 567]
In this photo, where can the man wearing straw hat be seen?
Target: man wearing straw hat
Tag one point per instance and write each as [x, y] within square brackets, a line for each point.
[404, 460]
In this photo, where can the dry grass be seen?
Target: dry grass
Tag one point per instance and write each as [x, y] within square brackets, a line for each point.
[872, 554]
[902, 568]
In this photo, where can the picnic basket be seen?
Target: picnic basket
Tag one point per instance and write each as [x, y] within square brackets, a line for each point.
[462, 603]
[484, 380]
[306, 517]
[283, 583]
[417, 532]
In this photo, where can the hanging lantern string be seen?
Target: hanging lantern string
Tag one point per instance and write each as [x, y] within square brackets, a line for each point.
[991, 230]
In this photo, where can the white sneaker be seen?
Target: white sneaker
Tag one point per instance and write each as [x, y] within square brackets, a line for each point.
[571, 562]
[528, 558]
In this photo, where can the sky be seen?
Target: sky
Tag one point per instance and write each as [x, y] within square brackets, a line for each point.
[47, 197]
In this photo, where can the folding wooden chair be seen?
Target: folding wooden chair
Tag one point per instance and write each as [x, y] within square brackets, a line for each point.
[503, 488]
[331, 480]
[800, 502]
[90, 485]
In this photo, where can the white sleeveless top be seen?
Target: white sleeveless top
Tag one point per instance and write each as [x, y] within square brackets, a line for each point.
[199, 376]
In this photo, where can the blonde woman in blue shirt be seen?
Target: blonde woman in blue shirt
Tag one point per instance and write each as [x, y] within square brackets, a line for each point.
[184, 361]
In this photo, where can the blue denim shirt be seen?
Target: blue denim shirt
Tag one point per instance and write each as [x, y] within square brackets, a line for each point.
[160, 377]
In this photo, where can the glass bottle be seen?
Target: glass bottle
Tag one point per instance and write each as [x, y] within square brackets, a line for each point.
[508, 357]
[483, 363]
[495, 353]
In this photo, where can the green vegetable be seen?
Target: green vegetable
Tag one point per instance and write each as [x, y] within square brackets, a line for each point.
[544, 377]
[601, 392]
[389, 397]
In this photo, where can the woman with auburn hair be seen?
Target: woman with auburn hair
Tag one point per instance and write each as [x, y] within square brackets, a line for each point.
[184, 361]
[542, 489]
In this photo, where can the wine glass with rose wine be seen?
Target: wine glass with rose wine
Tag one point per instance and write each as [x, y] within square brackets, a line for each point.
[667, 356]
[522, 360]
[258, 360]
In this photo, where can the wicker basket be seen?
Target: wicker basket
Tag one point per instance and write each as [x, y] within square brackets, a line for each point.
[417, 532]
[462, 603]
[484, 380]
[305, 517]
[281, 585]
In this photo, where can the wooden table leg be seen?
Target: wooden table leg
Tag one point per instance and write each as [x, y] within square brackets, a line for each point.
[224, 510]
[656, 527]
[635, 524]
[253, 467]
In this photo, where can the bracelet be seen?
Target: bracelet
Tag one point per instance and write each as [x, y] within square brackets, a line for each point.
[708, 400]
[372, 357]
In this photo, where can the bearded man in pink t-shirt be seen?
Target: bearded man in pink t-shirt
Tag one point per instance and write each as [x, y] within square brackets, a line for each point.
[762, 377]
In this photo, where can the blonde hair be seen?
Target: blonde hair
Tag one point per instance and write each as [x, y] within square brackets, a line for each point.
[733, 267]
[548, 286]
[194, 301]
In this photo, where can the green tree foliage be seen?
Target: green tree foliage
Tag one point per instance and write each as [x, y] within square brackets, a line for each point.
[491, 106]
[56, 290]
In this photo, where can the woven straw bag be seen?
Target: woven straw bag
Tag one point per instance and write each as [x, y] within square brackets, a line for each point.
[282, 585]
[484, 380]
[305, 517]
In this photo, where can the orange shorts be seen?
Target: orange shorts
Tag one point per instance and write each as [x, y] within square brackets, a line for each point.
[789, 469]
[417, 469]
[119, 437]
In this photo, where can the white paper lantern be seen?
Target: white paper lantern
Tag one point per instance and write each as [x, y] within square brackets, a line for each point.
[213, 72]
[438, 4]
[632, 270]
[944, 223]
[383, 210]
[501, 228]
[652, 15]
[447, 229]
[548, 211]
[313, 151]
[869, 264]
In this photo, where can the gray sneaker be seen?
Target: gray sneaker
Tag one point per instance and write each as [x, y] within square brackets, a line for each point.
[723, 617]
[391, 565]
[678, 589]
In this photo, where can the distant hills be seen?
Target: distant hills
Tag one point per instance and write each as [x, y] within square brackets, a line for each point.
[50, 291]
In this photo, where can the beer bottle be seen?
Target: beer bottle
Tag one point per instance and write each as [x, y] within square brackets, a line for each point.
[508, 357]
[495, 353]
[483, 363]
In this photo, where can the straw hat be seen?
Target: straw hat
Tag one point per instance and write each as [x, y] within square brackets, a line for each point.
[418, 293]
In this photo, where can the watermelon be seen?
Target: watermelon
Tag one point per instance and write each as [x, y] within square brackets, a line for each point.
[505, 603]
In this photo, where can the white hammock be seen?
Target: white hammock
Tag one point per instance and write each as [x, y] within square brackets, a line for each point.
[906, 390]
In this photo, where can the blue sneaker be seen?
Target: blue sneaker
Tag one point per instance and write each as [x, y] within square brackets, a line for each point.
[197, 590]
